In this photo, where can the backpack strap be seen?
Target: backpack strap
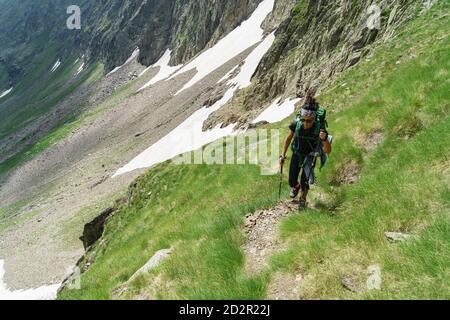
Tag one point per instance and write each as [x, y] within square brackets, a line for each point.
[309, 140]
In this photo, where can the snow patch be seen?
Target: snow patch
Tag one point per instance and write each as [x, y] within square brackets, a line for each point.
[114, 70]
[243, 37]
[56, 66]
[80, 69]
[277, 111]
[5, 93]
[131, 58]
[41, 293]
[164, 69]
[189, 135]
[243, 78]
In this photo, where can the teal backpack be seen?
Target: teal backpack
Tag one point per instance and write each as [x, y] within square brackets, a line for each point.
[319, 124]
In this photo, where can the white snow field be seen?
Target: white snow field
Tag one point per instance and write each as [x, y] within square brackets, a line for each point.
[243, 37]
[277, 111]
[56, 66]
[164, 69]
[5, 93]
[189, 135]
[131, 58]
[41, 293]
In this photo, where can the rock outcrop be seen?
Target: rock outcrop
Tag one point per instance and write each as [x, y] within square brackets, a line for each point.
[94, 229]
[115, 28]
[316, 42]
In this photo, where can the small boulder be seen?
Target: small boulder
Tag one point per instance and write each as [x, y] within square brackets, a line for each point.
[256, 125]
[351, 283]
[374, 277]
[154, 261]
[398, 236]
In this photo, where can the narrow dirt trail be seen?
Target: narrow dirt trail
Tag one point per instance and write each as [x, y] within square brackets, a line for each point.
[262, 240]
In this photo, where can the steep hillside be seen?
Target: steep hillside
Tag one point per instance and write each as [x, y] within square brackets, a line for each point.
[59, 167]
[33, 40]
[116, 28]
[27, 29]
[112, 29]
[388, 173]
[45, 67]
[318, 41]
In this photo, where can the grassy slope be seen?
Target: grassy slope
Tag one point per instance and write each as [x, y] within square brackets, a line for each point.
[403, 186]
[9, 216]
[62, 130]
[37, 92]
[35, 100]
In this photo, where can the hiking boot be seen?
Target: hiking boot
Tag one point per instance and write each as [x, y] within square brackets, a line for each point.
[301, 204]
[294, 191]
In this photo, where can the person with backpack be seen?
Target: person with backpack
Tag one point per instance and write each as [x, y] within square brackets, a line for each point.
[310, 142]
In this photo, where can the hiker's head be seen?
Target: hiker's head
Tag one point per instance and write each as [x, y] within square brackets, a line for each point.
[307, 98]
[307, 117]
[310, 101]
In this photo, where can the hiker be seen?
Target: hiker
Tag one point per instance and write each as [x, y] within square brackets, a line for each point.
[310, 142]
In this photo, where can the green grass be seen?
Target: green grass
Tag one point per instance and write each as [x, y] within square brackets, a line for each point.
[71, 123]
[190, 209]
[404, 183]
[403, 186]
[37, 92]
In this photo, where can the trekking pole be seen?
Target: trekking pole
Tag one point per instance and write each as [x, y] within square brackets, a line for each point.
[313, 164]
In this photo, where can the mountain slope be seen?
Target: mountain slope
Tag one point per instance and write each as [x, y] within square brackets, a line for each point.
[55, 186]
[34, 39]
[317, 41]
[112, 29]
[388, 172]
[116, 28]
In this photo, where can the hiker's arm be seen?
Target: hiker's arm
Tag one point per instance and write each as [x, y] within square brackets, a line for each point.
[287, 143]
[326, 145]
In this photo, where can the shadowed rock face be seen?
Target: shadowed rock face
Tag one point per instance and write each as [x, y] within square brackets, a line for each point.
[187, 27]
[94, 229]
[114, 28]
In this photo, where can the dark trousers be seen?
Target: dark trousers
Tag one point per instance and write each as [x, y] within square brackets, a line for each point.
[294, 172]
